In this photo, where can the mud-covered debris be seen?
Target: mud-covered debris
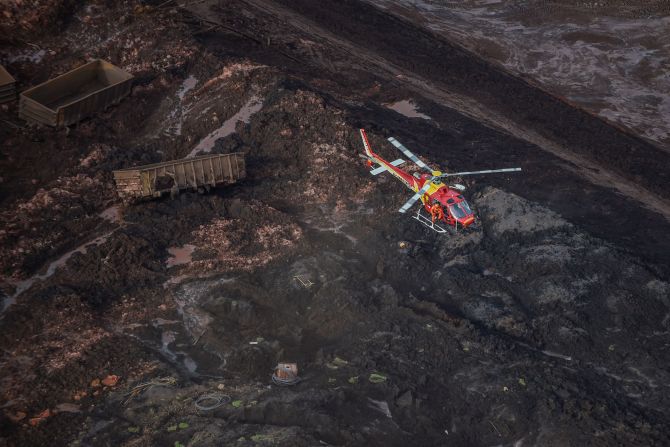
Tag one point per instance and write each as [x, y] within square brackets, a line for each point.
[337, 363]
[34, 421]
[67, 408]
[110, 380]
[16, 417]
[377, 378]
[142, 387]
[286, 374]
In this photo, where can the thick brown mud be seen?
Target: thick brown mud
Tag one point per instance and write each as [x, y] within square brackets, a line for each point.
[546, 325]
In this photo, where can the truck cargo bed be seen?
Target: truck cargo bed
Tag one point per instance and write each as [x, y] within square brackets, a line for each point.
[75, 95]
[171, 176]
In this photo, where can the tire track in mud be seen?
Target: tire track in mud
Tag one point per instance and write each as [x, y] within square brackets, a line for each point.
[496, 119]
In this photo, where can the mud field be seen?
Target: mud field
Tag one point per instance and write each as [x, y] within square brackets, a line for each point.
[547, 325]
[610, 57]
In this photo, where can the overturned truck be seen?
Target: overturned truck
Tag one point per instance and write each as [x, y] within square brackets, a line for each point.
[198, 173]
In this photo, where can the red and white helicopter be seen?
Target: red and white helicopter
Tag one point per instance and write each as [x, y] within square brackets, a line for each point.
[444, 203]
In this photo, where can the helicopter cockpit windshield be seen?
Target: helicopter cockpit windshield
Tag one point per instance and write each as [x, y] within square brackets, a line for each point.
[464, 205]
[456, 211]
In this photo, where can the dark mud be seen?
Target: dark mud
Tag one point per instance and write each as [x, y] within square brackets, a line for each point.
[439, 61]
[547, 325]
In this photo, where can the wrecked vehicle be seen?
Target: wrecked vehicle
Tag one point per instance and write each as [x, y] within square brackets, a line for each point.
[75, 95]
[199, 173]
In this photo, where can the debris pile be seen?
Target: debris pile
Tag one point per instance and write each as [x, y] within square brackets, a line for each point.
[258, 236]
[165, 330]
[31, 17]
[28, 240]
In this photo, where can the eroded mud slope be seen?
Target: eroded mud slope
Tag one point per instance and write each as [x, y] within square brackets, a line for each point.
[547, 325]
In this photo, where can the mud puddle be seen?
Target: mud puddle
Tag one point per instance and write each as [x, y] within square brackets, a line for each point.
[253, 105]
[407, 108]
[112, 214]
[25, 285]
[180, 255]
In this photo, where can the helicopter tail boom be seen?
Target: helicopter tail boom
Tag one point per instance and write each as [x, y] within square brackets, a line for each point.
[383, 165]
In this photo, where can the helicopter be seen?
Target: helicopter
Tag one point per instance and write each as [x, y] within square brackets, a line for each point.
[444, 203]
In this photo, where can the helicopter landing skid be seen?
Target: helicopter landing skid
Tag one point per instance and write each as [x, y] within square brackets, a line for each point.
[428, 222]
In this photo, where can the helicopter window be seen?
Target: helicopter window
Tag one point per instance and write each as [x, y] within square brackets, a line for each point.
[456, 211]
[466, 207]
[460, 196]
[450, 201]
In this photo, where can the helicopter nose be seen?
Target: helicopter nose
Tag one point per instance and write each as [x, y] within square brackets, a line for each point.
[468, 221]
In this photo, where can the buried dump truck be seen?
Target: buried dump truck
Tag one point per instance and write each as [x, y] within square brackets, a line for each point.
[7, 86]
[75, 95]
[198, 173]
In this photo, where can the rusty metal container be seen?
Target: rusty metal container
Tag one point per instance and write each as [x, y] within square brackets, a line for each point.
[7, 86]
[171, 176]
[286, 371]
[286, 374]
[75, 95]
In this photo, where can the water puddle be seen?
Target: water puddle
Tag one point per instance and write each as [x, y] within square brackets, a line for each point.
[188, 298]
[158, 322]
[112, 214]
[172, 344]
[253, 105]
[408, 108]
[180, 255]
[188, 85]
[176, 116]
[24, 285]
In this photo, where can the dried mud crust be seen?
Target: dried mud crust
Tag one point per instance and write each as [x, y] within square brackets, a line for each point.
[527, 330]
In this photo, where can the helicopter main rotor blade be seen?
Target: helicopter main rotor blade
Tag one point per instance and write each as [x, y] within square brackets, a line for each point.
[490, 171]
[409, 154]
[415, 197]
